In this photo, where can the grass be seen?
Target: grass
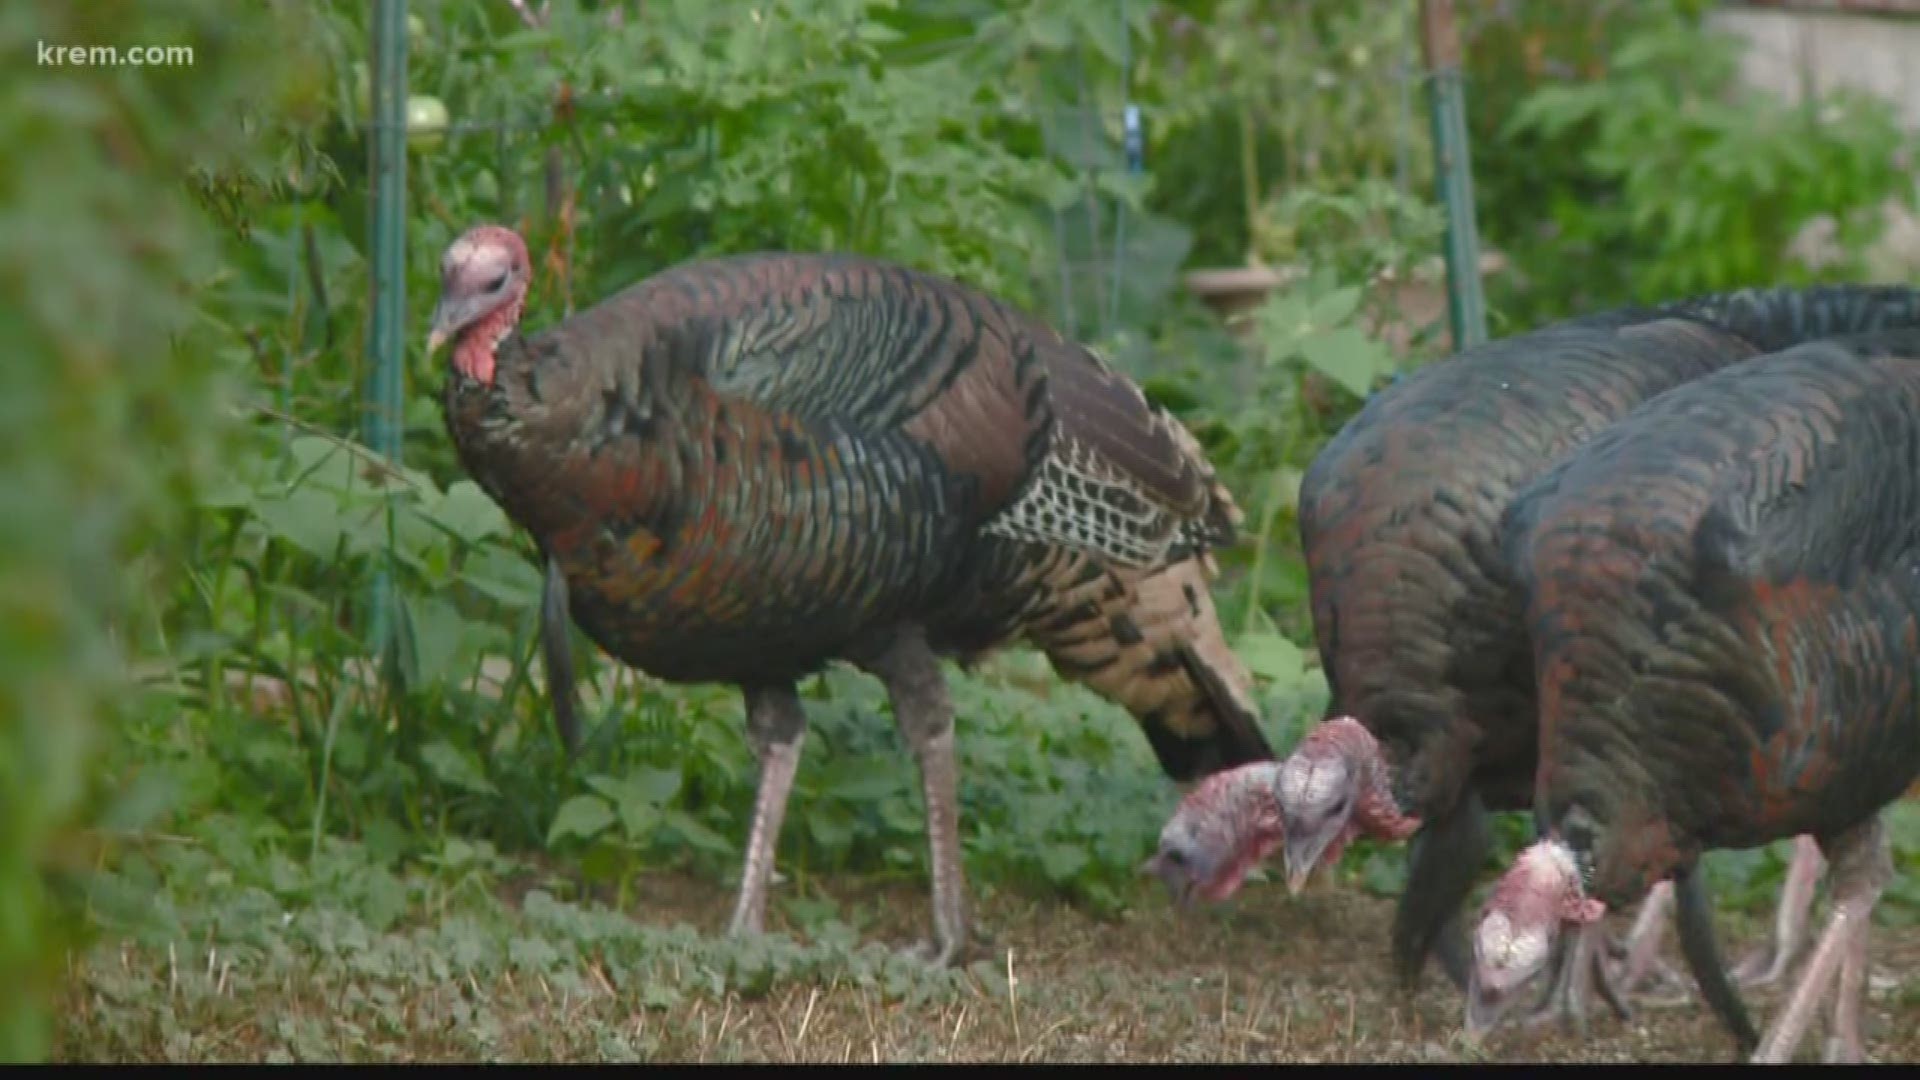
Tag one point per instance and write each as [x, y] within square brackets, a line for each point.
[409, 918]
[339, 960]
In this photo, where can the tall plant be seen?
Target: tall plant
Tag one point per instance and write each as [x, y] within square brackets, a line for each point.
[1623, 160]
[1256, 98]
[112, 404]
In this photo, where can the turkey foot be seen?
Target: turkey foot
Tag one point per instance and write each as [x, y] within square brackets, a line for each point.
[776, 726]
[1640, 966]
[1768, 963]
[923, 710]
[1581, 969]
[939, 782]
[1862, 864]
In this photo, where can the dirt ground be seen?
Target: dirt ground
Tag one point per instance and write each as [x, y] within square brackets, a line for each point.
[1263, 978]
[1260, 979]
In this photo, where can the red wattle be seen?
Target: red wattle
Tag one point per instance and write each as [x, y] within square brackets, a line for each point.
[473, 354]
[474, 359]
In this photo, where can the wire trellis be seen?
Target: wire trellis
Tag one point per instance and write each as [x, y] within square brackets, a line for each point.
[1090, 237]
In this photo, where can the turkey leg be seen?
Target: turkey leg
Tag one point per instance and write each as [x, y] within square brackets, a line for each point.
[1639, 955]
[776, 726]
[1581, 969]
[1769, 963]
[923, 709]
[1862, 864]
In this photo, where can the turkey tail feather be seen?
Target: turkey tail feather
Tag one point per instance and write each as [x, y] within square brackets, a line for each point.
[556, 649]
[1239, 740]
[1153, 645]
[1693, 913]
[1443, 861]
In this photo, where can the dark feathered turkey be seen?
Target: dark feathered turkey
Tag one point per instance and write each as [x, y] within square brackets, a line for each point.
[1419, 628]
[745, 468]
[1723, 596]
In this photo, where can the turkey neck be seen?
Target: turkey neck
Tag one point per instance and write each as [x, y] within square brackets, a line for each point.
[554, 399]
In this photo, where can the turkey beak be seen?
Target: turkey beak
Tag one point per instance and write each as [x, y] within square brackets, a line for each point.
[452, 316]
[1484, 1007]
[1303, 852]
[442, 329]
[1180, 886]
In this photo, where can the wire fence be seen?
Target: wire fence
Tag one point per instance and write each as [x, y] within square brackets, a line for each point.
[1091, 235]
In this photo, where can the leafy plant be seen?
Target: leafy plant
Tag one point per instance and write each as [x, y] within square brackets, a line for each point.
[1256, 98]
[1666, 178]
[1314, 326]
[111, 410]
[183, 261]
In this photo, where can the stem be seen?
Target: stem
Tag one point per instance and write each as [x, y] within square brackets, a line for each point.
[1249, 172]
[326, 773]
[1262, 542]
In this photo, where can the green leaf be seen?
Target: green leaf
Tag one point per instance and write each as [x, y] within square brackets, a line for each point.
[830, 829]
[1384, 874]
[1348, 357]
[1335, 306]
[1100, 26]
[1273, 657]
[862, 787]
[383, 898]
[693, 832]
[439, 632]
[656, 785]
[225, 492]
[304, 517]
[1060, 862]
[456, 767]
[503, 576]
[321, 462]
[138, 804]
[583, 816]
[637, 798]
[638, 817]
[469, 513]
[1050, 29]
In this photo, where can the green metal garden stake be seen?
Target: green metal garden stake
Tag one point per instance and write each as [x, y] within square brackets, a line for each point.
[382, 416]
[1440, 42]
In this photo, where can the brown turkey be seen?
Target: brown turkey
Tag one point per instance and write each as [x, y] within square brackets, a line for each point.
[1768, 963]
[741, 469]
[1420, 628]
[1723, 596]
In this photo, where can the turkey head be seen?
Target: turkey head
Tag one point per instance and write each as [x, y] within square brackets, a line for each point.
[1223, 828]
[1537, 899]
[1333, 788]
[483, 287]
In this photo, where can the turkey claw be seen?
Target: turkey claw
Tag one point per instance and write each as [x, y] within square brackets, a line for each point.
[1762, 967]
[1580, 971]
[1652, 976]
[934, 954]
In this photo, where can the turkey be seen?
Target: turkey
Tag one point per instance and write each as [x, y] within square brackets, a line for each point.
[1432, 717]
[1768, 963]
[741, 469]
[1723, 598]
